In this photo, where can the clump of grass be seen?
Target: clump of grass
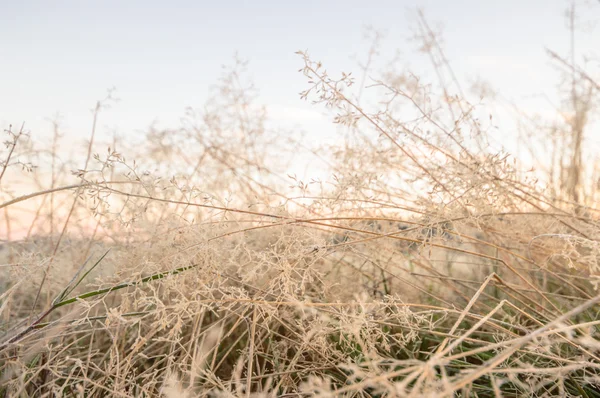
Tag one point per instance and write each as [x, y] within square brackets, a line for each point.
[429, 265]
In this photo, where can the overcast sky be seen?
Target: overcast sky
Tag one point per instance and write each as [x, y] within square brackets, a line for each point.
[162, 56]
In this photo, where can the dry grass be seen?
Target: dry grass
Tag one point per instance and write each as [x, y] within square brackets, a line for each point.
[429, 265]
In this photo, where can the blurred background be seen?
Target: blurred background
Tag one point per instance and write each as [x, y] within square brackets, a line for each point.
[150, 68]
[59, 58]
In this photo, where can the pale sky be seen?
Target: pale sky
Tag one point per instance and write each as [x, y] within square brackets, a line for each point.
[163, 56]
[61, 56]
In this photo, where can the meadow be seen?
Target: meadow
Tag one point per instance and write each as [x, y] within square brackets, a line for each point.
[431, 263]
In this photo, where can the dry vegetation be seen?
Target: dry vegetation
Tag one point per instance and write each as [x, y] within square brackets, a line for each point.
[430, 264]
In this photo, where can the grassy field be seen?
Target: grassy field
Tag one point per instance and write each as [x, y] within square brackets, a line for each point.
[431, 263]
